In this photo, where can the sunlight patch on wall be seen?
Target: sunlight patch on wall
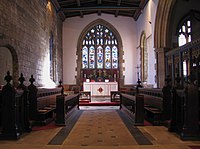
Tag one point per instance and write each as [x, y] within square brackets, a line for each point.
[46, 80]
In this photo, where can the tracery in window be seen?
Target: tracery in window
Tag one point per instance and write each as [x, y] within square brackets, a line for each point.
[99, 49]
[184, 33]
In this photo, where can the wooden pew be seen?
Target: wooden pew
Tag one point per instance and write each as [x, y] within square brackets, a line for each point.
[13, 113]
[133, 106]
[24, 105]
[153, 104]
[42, 103]
[156, 109]
[42, 108]
[64, 107]
[185, 112]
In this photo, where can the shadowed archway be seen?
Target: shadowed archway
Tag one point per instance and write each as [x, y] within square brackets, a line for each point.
[14, 65]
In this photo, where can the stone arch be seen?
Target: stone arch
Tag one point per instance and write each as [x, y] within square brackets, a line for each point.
[82, 35]
[15, 65]
[162, 41]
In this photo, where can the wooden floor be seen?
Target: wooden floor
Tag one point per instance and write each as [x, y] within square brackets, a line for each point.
[100, 128]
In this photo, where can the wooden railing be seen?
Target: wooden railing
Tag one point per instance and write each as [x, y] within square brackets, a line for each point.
[188, 53]
[185, 113]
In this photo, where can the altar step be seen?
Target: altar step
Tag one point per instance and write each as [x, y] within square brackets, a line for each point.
[84, 101]
[98, 103]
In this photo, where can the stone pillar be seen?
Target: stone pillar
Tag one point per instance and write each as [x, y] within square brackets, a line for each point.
[160, 70]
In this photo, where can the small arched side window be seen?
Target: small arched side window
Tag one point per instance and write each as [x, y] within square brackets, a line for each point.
[184, 34]
[144, 57]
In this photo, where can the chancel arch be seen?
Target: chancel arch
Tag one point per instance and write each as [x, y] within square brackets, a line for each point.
[161, 37]
[99, 53]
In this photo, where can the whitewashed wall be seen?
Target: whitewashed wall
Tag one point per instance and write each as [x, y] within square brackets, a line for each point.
[146, 23]
[72, 28]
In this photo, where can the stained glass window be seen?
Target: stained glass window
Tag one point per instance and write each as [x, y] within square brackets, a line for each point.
[114, 57]
[107, 57]
[85, 57]
[92, 57]
[100, 49]
[99, 57]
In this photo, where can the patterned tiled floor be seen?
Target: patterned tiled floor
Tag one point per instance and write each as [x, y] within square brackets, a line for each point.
[100, 128]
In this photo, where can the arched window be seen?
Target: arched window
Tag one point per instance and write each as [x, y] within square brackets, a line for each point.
[187, 31]
[99, 49]
[143, 57]
[51, 57]
[188, 27]
[184, 34]
[100, 54]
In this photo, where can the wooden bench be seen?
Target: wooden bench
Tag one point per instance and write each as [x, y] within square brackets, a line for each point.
[133, 106]
[13, 112]
[153, 105]
[153, 112]
[42, 105]
[64, 107]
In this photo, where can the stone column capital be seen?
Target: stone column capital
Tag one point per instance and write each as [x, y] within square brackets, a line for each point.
[160, 50]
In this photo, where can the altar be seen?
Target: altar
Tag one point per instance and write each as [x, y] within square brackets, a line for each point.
[100, 88]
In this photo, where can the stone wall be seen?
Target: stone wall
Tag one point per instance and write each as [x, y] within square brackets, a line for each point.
[25, 28]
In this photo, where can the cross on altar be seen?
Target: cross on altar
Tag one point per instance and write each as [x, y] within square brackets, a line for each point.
[99, 72]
